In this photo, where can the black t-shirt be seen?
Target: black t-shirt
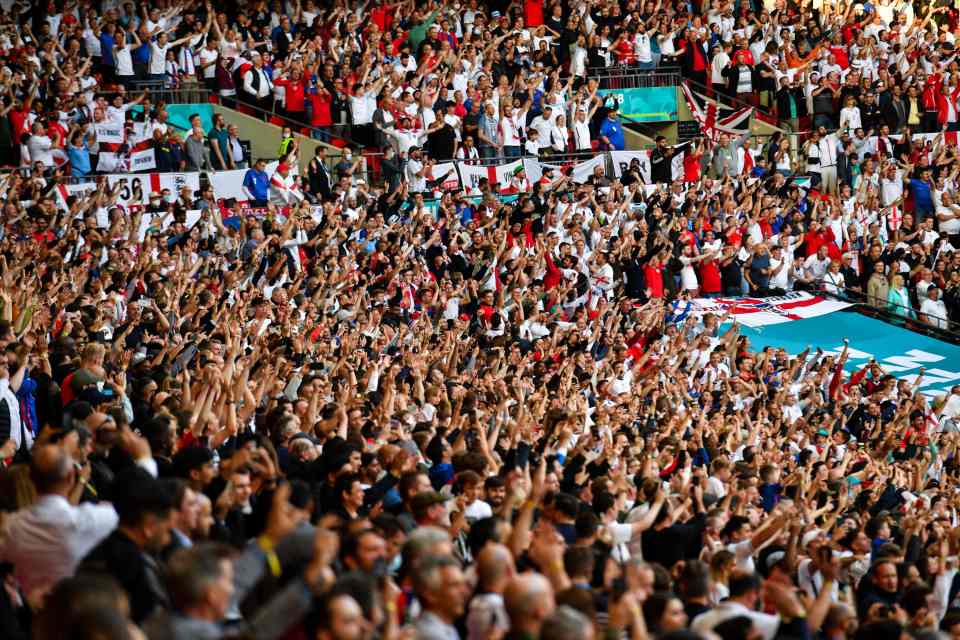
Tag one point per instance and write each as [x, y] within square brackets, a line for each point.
[730, 273]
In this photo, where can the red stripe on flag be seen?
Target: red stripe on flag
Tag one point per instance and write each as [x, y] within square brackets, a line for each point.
[492, 174]
[155, 182]
[801, 303]
[711, 120]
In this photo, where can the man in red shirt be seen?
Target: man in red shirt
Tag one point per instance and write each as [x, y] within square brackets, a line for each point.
[653, 274]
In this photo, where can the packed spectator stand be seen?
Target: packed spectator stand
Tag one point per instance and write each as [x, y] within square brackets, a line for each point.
[434, 369]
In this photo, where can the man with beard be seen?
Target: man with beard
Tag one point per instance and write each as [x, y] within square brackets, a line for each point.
[341, 618]
[495, 491]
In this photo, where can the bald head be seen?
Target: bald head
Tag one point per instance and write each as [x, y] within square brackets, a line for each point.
[494, 567]
[51, 469]
[529, 600]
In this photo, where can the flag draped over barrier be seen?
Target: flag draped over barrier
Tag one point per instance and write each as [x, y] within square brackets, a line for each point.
[714, 117]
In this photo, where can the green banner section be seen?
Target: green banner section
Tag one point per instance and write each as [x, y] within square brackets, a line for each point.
[646, 104]
[178, 115]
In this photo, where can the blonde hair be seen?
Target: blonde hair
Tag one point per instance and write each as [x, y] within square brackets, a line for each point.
[16, 485]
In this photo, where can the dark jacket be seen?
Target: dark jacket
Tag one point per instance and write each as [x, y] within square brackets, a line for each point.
[871, 115]
[390, 170]
[686, 58]
[137, 572]
[661, 167]
[732, 74]
[783, 102]
[895, 114]
[319, 178]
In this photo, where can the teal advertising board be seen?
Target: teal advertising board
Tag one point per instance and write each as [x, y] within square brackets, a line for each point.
[646, 104]
[179, 115]
[898, 351]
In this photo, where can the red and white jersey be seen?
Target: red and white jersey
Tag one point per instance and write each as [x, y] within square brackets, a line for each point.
[284, 190]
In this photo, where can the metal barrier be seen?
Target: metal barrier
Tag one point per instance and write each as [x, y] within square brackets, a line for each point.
[337, 131]
[554, 158]
[188, 92]
[633, 77]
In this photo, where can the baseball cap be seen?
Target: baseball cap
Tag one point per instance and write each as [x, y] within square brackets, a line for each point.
[774, 559]
[809, 537]
[95, 396]
[426, 499]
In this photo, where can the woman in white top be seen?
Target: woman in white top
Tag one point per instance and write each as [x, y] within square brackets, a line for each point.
[783, 159]
[122, 54]
[559, 134]
[850, 115]
[688, 275]
[833, 279]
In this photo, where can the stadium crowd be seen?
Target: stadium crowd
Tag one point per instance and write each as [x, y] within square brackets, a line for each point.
[351, 412]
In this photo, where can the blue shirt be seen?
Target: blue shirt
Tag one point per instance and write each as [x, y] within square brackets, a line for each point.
[922, 199]
[141, 55]
[257, 182]
[613, 132]
[770, 495]
[79, 159]
[106, 48]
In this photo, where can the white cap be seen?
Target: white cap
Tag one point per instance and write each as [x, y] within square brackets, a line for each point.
[809, 537]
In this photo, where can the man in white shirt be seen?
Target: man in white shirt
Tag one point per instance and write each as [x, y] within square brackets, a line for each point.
[744, 597]
[812, 571]
[815, 266]
[363, 104]
[743, 541]
[933, 310]
[641, 47]
[257, 86]
[828, 144]
[416, 172]
[46, 541]
[209, 56]
[779, 268]
[511, 129]
[405, 138]
[721, 58]
[948, 214]
[158, 55]
[117, 110]
[41, 145]
[543, 123]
